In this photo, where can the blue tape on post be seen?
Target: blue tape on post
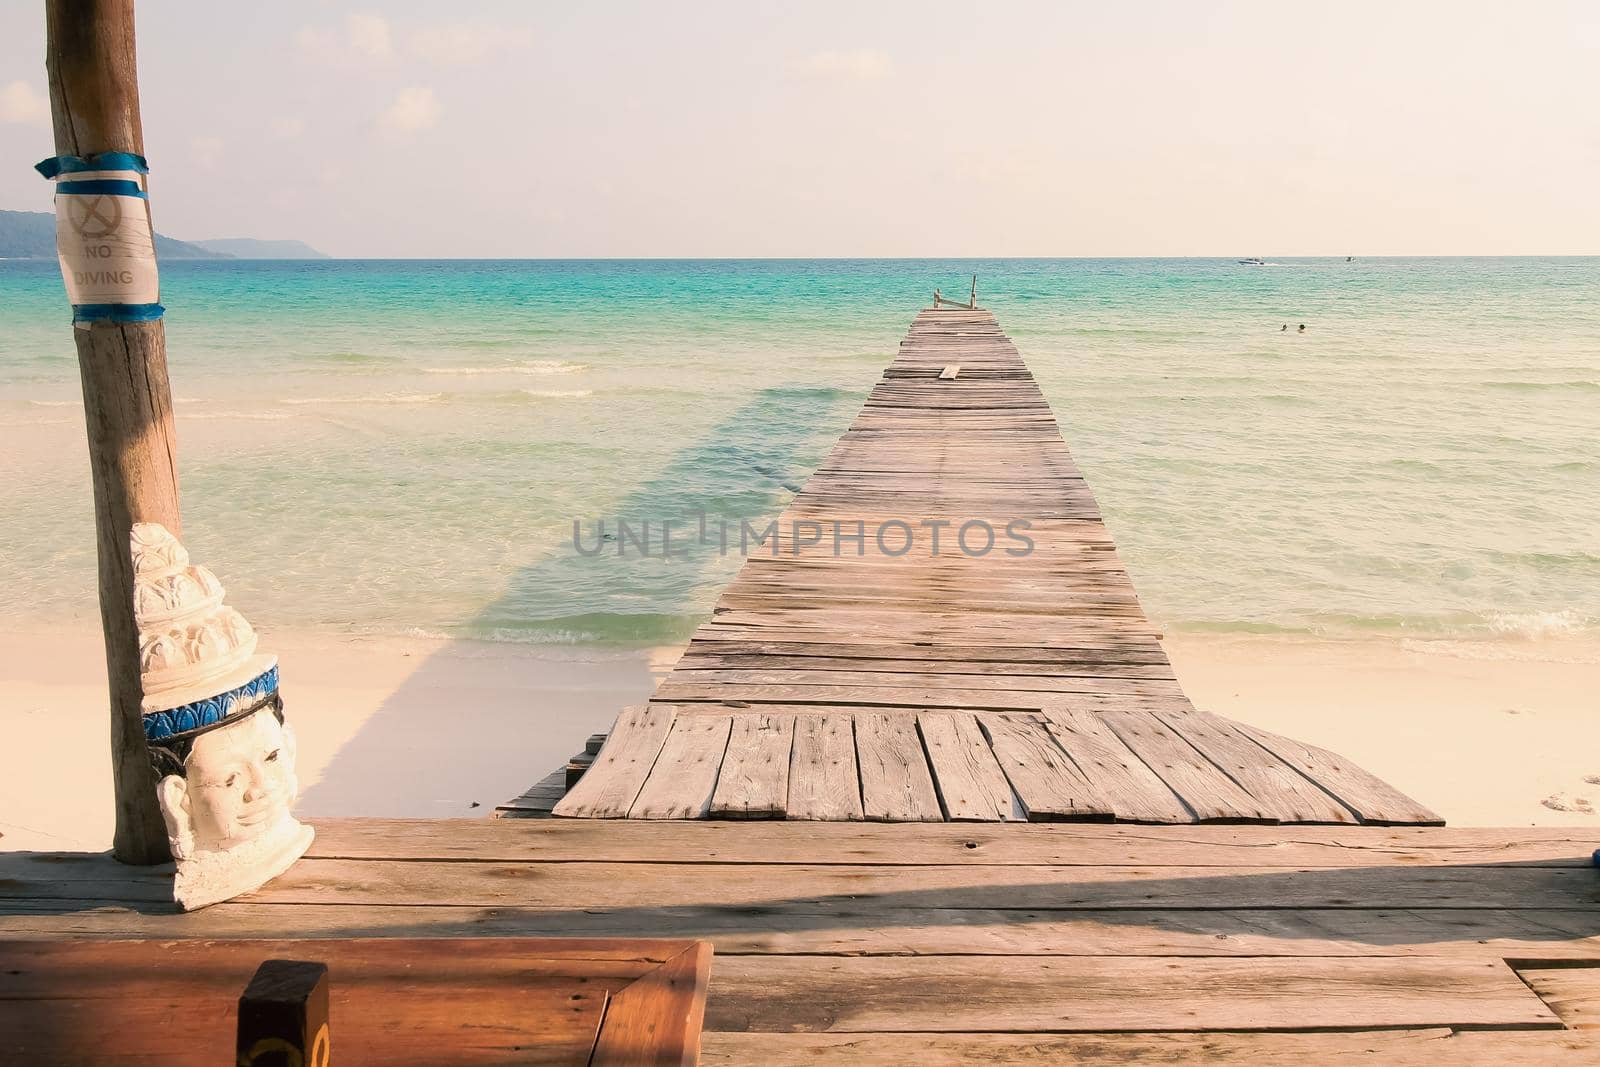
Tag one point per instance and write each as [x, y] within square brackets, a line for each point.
[102, 187]
[117, 312]
[104, 161]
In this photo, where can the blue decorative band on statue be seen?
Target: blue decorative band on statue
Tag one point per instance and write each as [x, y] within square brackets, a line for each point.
[103, 237]
[245, 700]
[221, 753]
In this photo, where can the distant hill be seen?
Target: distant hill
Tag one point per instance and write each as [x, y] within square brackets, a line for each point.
[32, 235]
[252, 248]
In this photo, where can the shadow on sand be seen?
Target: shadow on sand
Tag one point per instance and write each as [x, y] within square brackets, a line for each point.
[747, 467]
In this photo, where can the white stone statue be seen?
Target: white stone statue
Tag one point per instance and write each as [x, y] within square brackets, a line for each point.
[213, 719]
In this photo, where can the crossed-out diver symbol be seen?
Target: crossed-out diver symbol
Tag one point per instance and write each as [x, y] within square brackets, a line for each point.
[94, 216]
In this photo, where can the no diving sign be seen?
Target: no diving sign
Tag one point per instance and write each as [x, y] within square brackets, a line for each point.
[103, 237]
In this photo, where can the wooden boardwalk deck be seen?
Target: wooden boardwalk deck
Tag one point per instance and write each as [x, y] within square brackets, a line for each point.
[971, 676]
[941, 944]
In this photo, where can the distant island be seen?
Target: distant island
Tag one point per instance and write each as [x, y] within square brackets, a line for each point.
[254, 248]
[32, 235]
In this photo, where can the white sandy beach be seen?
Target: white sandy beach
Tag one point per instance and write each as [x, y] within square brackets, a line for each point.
[1485, 733]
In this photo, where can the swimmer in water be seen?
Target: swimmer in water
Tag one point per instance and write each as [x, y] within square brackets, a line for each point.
[1302, 328]
[1284, 328]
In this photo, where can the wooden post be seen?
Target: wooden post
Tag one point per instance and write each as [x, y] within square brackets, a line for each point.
[974, 304]
[127, 402]
[283, 1016]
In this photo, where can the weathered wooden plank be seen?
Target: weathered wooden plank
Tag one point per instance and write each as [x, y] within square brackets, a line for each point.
[1203, 787]
[847, 926]
[961, 993]
[970, 782]
[1425, 1047]
[1372, 799]
[895, 783]
[1572, 992]
[608, 789]
[987, 699]
[1215, 845]
[823, 782]
[1281, 789]
[754, 780]
[1133, 791]
[685, 774]
[1050, 787]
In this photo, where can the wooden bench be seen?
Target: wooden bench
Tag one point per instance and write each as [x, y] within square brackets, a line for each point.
[392, 1001]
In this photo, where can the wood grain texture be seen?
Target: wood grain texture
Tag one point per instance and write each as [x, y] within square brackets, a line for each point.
[656, 1020]
[1573, 993]
[1217, 845]
[754, 779]
[823, 780]
[896, 785]
[1422, 1047]
[1372, 799]
[850, 927]
[971, 785]
[611, 785]
[403, 1001]
[1049, 785]
[1204, 788]
[127, 401]
[1283, 791]
[1134, 792]
[684, 776]
[955, 993]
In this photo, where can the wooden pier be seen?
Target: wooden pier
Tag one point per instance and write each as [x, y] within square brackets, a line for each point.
[938, 628]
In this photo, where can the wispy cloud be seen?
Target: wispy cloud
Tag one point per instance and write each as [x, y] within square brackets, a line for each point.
[363, 38]
[19, 102]
[369, 35]
[415, 108]
[367, 39]
[860, 64]
[455, 44]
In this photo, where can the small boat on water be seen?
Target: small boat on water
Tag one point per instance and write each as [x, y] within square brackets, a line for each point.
[1253, 261]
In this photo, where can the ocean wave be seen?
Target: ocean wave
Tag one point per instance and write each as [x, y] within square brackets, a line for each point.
[1536, 624]
[1500, 651]
[247, 416]
[557, 394]
[1582, 384]
[56, 403]
[1482, 626]
[599, 627]
[536, 366]
[386, 398]
[354, 358]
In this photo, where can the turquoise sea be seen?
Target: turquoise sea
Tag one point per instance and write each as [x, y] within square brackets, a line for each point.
[403, 446]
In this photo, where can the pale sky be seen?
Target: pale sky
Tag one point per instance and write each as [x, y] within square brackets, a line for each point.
[524, 129]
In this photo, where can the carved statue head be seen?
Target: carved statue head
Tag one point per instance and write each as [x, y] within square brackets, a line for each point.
[235, 783]
[222, 754]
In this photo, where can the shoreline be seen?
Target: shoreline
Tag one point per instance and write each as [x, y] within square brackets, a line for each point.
[1484, 732]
